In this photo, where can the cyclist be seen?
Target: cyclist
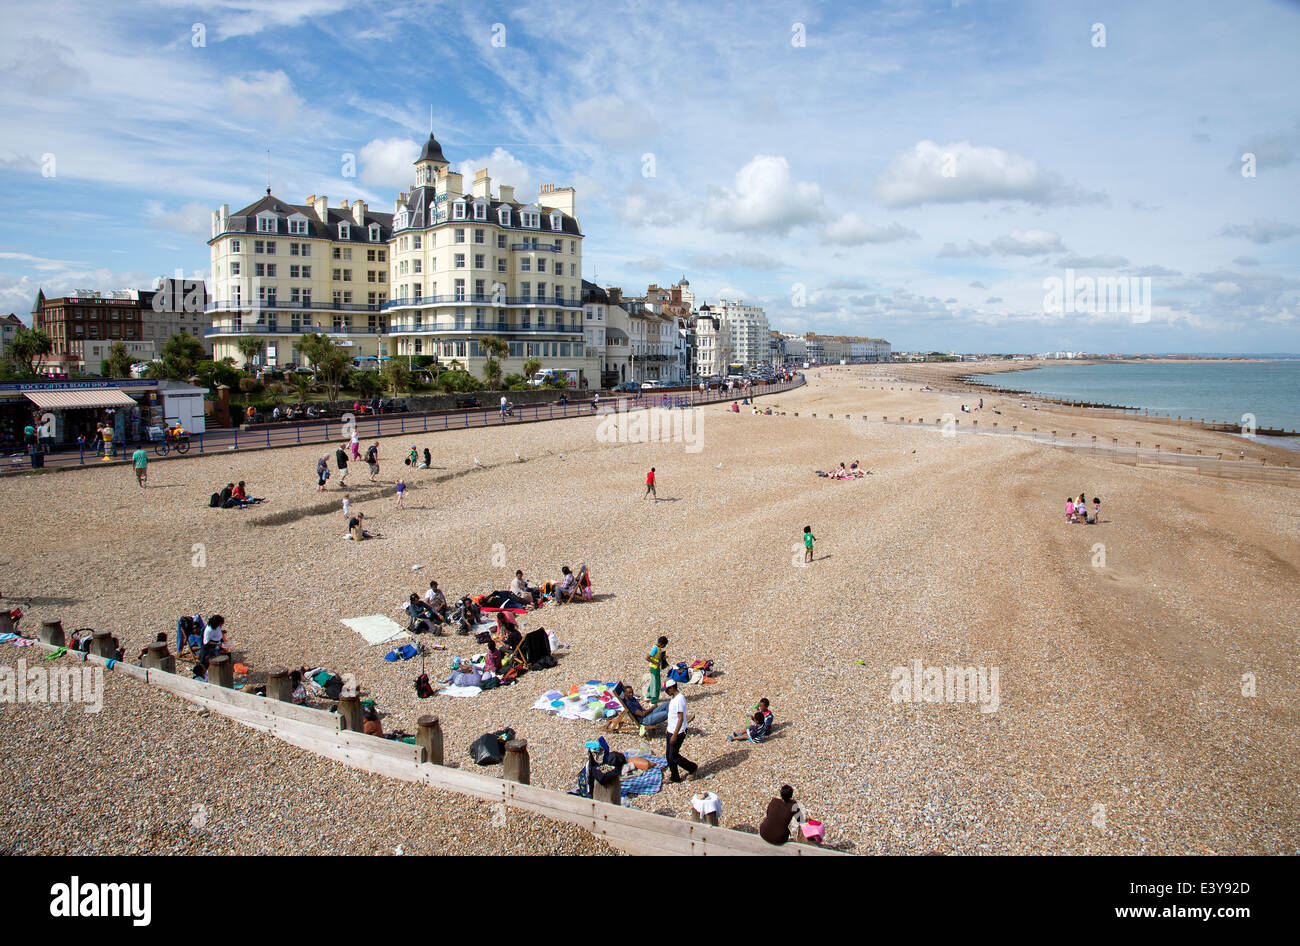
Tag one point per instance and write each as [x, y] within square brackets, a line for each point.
[175, 431]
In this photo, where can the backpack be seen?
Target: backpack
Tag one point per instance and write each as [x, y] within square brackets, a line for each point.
[422, 687]
[490, 748]
[679, 673]
[214, 501]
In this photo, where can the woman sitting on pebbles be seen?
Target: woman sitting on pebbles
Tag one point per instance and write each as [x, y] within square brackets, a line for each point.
[775, 827]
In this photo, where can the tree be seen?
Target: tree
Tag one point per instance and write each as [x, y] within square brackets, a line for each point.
[250, 347]
[118, 363]
[181, 356]
[29, 348]
[366, 383]
[397, 376]
[531, 367]
[303, 383]
[328, 360]
[214, 373]
[497, 351]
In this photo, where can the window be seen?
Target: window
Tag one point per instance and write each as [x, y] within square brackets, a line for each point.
[541, 290]
[541, 265]
[306, 249]
[259, 246]
[270, 247]
[371, 301]
[259, 269]
[573, 269]
[503, 215]
[501, 241]
[479, 235]
[370, 257]
[460, 261]
[525, 264]
[556, 220]
[383, 256]
[479, 289]
[460, 235]
[532, 220]
[526, 289]
[573, 247]
[234, 246]
[298, 225]
[415, 242]
[306, 272]
[371, 275]
[234, 268]
[374, 233]
[383, 276]
[265, 224]
[480, 210]
[480, 261]
[458, 213]
[418, 289]
[541, 317]
[501, 264]
[345, 231]
[293, 249]
[347, 275]
[460, 290]
[294, 296]
[415, 266]
[306, 297]
[270, 270]
[338, 252]
[347, 297]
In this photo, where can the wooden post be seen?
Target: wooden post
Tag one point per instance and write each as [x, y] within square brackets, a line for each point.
[101, 643]
[428, 736]
[279, 686]
[612, 793]
[51, 632]
[514, 768]
[350, 714]
[221, 671]
[157, 658]
[710, 818]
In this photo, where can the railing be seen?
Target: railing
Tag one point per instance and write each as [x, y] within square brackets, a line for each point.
[530, 247]
[250, 306]
[332, 430]
[483, 298]
[485, 328]
[263, 329]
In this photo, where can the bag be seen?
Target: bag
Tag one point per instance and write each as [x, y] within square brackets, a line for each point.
[333, 687]
[813, 830]
[214, 501]
[679, 673]
[490, 748]
[489, 683]
[423, 689]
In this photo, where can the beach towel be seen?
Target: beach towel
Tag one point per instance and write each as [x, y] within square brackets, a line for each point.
[459, 691]
[57, 654]
[377, 629]
[649, 782]
[590, 701]
[6, 638]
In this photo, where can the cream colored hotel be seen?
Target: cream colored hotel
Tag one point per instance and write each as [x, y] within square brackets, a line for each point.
[446, 268]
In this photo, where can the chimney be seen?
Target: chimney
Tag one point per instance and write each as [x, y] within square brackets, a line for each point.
[359, 212]
[506, 194]
[455, 185]
[482, 183]
[557, 198]
[344, 204]
[321, 206]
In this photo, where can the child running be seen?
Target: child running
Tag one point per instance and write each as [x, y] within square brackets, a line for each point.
[401, 493]
[650, 485]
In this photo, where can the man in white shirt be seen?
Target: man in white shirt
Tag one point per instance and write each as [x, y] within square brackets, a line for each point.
[436, 601]
[519, 588]
[676, 732]
[503, 407]
[213, 635]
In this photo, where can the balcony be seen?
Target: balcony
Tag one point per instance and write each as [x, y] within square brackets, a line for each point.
[484, 299]
[486, 328]
[265, 329]
[231, 306]
[535, 247]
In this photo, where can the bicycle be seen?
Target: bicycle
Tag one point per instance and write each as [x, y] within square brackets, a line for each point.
[167, 444]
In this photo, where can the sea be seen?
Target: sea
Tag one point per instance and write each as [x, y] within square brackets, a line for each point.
[1224, 391]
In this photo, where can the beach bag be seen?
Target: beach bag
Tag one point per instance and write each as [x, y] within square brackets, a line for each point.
[680, 673]
[489, 683]
[423, 689]
[214, 501]
[490, 748]
[813, 830]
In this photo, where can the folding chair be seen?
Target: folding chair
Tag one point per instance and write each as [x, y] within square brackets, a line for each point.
[514, 663]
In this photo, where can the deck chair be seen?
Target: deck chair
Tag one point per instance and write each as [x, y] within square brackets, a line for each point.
[626, 721]
[584, 582]
[514, 663]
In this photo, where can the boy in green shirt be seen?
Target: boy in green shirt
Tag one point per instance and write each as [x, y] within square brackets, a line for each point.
[658, 659]
[808, 539]
[141, 461]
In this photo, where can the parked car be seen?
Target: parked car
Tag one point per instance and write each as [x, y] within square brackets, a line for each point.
[648, 385]
[627, 387]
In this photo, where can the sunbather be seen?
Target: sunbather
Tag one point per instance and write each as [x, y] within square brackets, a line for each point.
[464, 674]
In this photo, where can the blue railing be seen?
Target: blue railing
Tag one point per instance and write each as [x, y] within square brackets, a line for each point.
[486, 327]
[265, 329]
[530, 247]
[485, 299]
[241, 306]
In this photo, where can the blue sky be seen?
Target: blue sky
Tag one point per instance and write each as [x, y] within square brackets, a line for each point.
[911, 170]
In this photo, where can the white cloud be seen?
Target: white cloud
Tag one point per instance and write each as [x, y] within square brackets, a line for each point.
[39, 262]
[971, 249]
[388, 162]
[960, 171]
[851, 230]
[504, 168]
[263, 95]
[615, 120]
[234, 18]
[743, 259]
[1028, 243]
[1101, 261]
[765, 198]
[1261, 231]
[193, 218]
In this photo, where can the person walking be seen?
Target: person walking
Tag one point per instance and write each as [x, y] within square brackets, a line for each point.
[401, 492]
[372, 459]
[504, 404]
[676, 732]
[322, 472]
[341, 460]
[355, 443]
[808, 540]
[650, 485]
[140, 460]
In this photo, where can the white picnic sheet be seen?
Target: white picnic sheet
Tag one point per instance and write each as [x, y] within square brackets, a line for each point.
[592, 701]
[377, 629]
[459, 691]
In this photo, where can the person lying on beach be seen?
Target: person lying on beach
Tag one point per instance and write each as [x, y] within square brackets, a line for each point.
[463, 674]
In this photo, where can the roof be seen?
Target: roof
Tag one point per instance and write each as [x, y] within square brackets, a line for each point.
[422, 196]
[432, 151]
[243, 221]
[98, 397]
[593, 293]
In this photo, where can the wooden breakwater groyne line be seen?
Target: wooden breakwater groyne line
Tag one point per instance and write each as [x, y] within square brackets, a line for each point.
[339, 736]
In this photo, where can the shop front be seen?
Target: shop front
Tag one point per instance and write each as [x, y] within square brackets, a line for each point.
[63, 411]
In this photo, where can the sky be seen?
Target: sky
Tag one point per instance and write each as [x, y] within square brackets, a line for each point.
[932, 173]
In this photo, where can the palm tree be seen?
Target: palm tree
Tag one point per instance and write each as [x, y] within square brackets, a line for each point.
[250, 348]
[497, 351]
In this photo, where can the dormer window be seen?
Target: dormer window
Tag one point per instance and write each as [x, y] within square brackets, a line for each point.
[480, 210]
[374, 233]
[556, 220]
[266, 223]
[531, 220]
[458, 210]
[298, 225]
[503, 215]
[345, 231]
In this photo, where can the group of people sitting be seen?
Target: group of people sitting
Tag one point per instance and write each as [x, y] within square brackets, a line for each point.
[1076, 510]
[234, 496]
[203, 640]
[842, 472]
